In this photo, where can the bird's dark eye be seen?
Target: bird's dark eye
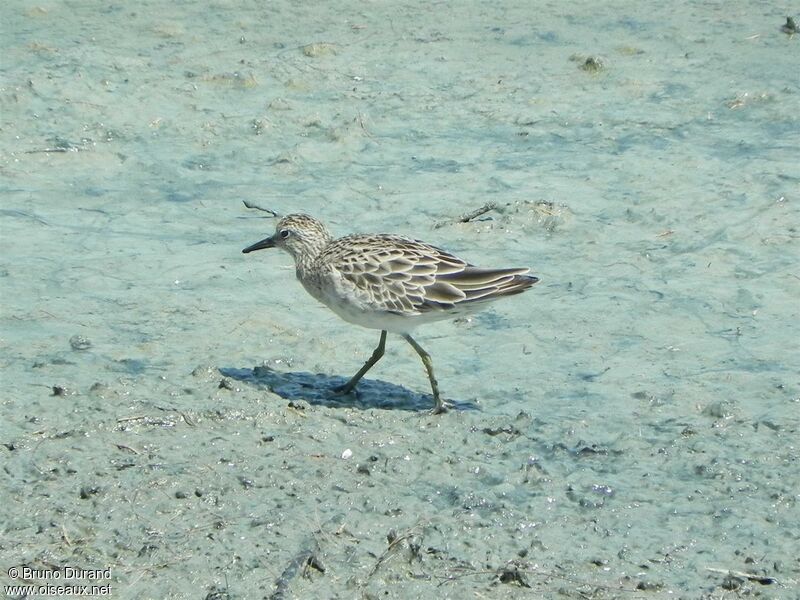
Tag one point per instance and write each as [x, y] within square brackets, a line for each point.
[284, 233]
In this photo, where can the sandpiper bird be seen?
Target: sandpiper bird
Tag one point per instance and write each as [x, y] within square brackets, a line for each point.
[388, 282]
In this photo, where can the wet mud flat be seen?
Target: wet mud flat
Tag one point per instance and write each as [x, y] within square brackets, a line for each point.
[228, 488]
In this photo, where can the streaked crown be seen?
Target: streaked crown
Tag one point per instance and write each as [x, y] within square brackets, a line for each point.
[301, 235]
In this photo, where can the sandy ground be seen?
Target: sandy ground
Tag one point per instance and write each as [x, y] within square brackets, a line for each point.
[626, 429]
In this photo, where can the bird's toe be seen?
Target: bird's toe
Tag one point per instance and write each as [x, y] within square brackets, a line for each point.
[342, 390]
[441, 407]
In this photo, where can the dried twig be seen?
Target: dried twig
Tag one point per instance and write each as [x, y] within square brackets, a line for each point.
[467, 217]
[477, 212]
[261, 208]
[124, 447]
[49, 150]
[307, 559]
[394, 541]
[762, 579]
[136, 418]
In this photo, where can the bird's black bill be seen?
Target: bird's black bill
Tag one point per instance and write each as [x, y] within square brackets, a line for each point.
[265, 243]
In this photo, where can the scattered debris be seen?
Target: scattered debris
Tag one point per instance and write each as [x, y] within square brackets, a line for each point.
[746, 99]
[593, 64]
[308, 559]
[62, 145]
[88, 491]
[215, 593]
[412, 535]
[467, 217]
[733, 576]
[78, 342]
[234, 79]
[590, 64]
[319, 49]
[508, 430]
[257, 207]
[127, 448]
[511, 573]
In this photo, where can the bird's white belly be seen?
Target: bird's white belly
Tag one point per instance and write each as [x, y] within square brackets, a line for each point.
[352, 305]
[393, 322]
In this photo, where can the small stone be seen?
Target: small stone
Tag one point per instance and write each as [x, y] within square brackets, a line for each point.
[205, 372]
[593, 64]
[649, 586]
[731, 583]
[717, 410]
[280, 104]
[88, 491]
[511, 574]
[319, 49]
[78, 342]
[315, 563]
[259, 126]
[347, 454]
[99, 389]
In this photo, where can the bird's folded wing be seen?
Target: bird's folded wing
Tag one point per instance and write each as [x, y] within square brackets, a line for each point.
[398, 274]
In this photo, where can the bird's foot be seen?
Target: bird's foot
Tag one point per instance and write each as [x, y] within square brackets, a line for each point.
[343, 390]
[442, 406]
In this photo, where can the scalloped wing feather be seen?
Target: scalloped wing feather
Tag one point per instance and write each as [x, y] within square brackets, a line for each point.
[401, 275]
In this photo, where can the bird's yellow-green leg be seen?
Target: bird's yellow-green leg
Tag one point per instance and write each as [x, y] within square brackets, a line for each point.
[440, 406]
[376, 356]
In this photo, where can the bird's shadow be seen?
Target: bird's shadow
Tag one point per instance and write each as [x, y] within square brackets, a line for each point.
[318, 389]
